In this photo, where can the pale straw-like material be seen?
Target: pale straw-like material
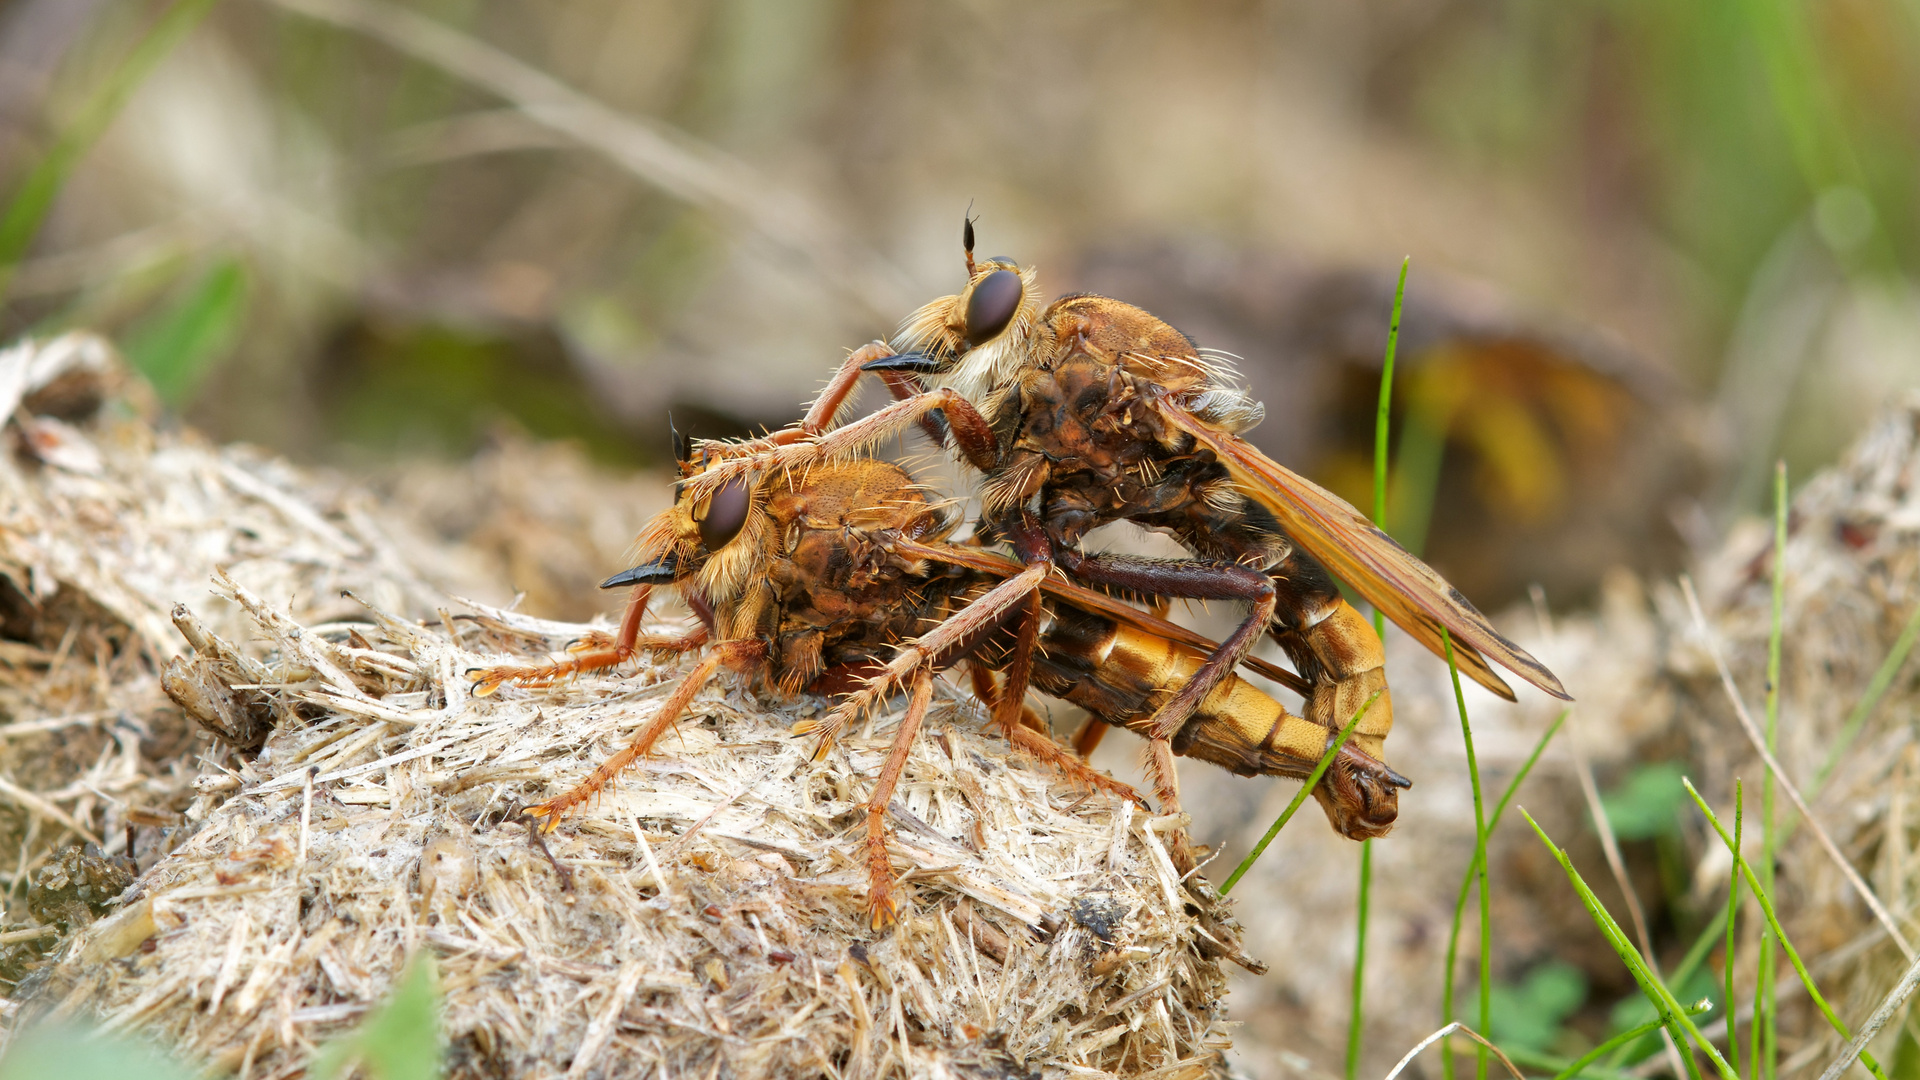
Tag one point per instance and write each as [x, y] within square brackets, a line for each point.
[708, 913]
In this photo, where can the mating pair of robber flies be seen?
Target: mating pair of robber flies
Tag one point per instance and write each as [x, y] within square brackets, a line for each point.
[814, 566]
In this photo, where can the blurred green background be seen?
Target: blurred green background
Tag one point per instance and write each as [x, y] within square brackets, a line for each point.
[1654, 244]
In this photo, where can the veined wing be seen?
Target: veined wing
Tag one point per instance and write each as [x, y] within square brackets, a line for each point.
[1407, 590]
[1092, 600]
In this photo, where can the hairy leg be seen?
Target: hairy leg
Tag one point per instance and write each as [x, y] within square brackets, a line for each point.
[1030, 735]
[881, 907]
[779, 452]
[1166, 788]
[736, 655]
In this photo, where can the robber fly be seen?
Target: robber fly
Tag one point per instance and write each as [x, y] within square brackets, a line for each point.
[1089, 411]
[824, 580]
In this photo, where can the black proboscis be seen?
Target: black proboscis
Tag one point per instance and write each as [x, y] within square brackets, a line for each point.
[658, 572]
[913, 362]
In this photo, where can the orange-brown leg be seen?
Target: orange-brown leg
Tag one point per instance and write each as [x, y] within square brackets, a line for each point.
[1013, 696]
[792, 449]
[1087, 739]
[1166, 788]
[591, 653]
[825, 407]
[881, 908]
[1032, 736]
[737, 655]
[1052, 753]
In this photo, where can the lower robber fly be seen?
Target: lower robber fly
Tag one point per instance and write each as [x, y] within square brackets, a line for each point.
[840, 580]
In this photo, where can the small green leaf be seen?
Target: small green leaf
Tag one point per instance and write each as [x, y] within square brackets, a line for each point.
[71, 1053]
[1530, 1015]
[1648, 804]
[399, 1042]
[176, 346]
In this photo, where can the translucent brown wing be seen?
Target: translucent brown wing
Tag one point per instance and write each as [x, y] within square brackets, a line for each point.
[1094, 601]
[1407, 590]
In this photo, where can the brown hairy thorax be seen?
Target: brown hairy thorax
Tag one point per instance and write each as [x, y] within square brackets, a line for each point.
[1088, 441]
[811, 572]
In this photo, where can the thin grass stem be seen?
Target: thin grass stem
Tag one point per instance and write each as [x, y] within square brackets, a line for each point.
[1677, 1019]
[1380, 423]
[1733, 905]
[1467, 879]
[1356, 1017]
[1306, 788]
[1773, 924]
[1696, 955]
[1876, 688]
[1625, 1038]
[1554, 1063]
[1479, 858]
[1767, 1017]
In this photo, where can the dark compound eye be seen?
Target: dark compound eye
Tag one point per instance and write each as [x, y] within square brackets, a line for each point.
[726, 513]
[992, 306]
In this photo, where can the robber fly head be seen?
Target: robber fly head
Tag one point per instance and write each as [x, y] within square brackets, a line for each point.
[978, 338]
[714, 537]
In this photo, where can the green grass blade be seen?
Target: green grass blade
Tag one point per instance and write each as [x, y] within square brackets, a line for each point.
[1677, 1019]
[178, 345]
[1306, 788]
[1466, 879]
[1733, 905]
[1554, 1063]
[1479, 859]
[1773, 924]
[1876, 689]
[36, 194]
[1767, 1057]
[1380, 420]
[1356, 1017]
[1625, 1038]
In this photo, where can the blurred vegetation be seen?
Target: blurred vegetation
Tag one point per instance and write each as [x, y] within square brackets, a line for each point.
[1728, 189]
[398, 1041]
[75, 1054]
